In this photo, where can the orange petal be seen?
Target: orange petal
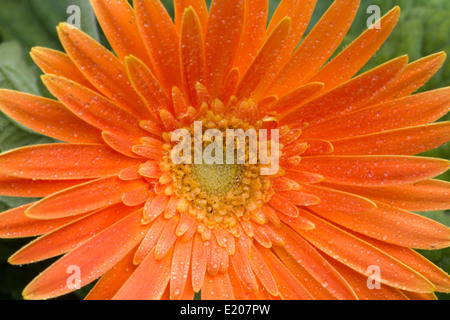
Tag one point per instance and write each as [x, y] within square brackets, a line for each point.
[262, 271]
[18, 187]
[192, 55]
[333, 201]
[290, 162]
[288, 135]
[161, 39]
[214, 256]
[191, 114]
[94, 109]
[150, 240]
[348, 97]
[166, 294]
[414, 110]
[101, 68]
[242, 267]
[428, 195]
[130, 173]
[265, 58]
[150, 169]
[268, 103]
[240, 293]
[347, 63]
[188, 293]
[230, 86]
[335, 243]
[83, 198]
[155, 205]
[419, 296]
[289, 288]
[303, 177]
[313, 263]
[415, 75]
[41, 115]
[180, 269]
[199, 7]
[300, 198]
[283, 205]
[296, 148]
[119, 144]
[406, 141]
[203, 95]
[253, 34]
[300, 12]
[59, 64]
[284, 184]
[155, 142]
[69, 236]
[217, 287]
[270, 231]
[258, 217]
[411, 258]
[261, 236]
[199, 262]
[135, 197]
[411, 230]
[226, 240]
[297, 97]
[93, 257]
[118, 22]
[180, 104]
[151, 127]
[317, 147]
[186, 222]
[15, 224]
[167, 238]
[298, 222]
[63, 161]
[225, 21]
[108, 285]
[149, 152]
[224, 260]
[316, 48]
[374, 170]
[357, 280]
[169, 121]
[314, 287]
[147, 86]
[149, 281]
[247, 111]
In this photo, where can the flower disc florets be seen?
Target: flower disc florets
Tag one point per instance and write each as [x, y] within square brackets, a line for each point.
[219, 192]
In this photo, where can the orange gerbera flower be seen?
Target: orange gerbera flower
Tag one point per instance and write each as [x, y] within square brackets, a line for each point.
[118, 208]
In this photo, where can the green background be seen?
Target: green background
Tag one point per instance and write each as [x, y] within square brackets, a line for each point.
[423, 29]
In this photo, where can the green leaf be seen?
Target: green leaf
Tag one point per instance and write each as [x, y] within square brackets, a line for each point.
[13, 202]
[16, 73]
[19, 22]
[12, 136]
[34, 22]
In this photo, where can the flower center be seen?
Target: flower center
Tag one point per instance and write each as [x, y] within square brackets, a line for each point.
[224, 192]
[217, 179]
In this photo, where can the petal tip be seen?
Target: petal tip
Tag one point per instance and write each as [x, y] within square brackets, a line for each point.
[395, 11]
